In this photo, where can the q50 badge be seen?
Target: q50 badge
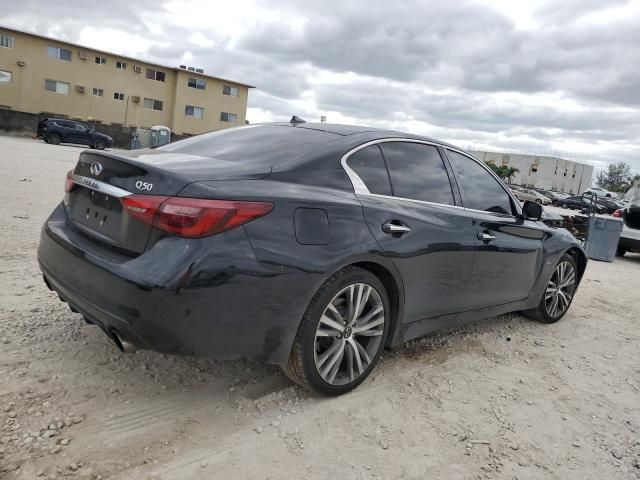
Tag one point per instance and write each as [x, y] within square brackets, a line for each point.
[144, 186]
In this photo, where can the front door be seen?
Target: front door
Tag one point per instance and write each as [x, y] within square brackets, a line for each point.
[509, 253]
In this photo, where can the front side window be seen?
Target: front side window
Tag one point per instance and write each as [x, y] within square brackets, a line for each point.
[479, 189]
[5, 77]
[6, 41]
[152, 104]
[417, 172]
[57, 87]
[369, 166]
[101, 60]
[228, 90]
[191, 111]
[59, 53]
[198, 83]
[152, 74]
[228, 117]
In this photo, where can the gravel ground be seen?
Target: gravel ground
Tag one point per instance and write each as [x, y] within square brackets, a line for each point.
[504, 398]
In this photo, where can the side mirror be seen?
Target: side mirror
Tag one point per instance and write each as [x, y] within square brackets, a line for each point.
[532, 210]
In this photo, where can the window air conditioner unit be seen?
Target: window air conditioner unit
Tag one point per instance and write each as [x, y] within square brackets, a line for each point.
[135, 99]
[199, 70]
[191, 69]
[82, 54]
[137, 68]
[80, 88]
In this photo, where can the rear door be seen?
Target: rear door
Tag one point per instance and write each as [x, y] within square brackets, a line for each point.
[508, 255]
[78, 134]
[65, 129]
[410, 208]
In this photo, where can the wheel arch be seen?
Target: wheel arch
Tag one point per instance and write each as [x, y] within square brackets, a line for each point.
[393, 286]
[580, 258]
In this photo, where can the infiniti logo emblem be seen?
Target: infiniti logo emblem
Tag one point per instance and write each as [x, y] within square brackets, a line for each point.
[95, 169]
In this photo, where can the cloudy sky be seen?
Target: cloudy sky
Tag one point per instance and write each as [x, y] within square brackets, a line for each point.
[540, 76]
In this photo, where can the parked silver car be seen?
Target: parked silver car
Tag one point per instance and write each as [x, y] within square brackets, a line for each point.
[523, 194]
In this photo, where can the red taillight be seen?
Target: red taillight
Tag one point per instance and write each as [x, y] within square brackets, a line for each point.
[69, 184]
[143, 207]
[192, 217]
[618, 213]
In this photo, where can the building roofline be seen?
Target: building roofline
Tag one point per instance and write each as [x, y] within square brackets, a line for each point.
[126, 57]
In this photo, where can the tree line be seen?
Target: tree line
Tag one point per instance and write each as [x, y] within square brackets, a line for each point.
[617, 177]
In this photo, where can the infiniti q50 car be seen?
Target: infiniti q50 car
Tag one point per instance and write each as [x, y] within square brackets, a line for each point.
[309, 246]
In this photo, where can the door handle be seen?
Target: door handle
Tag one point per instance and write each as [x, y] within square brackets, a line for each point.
[395, 228]
[486, 236]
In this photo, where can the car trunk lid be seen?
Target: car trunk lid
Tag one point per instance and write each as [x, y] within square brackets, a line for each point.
[102, 178]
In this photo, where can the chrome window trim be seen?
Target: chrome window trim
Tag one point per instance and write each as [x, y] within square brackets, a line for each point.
[413, 200]
[101, 187]
[360, 188]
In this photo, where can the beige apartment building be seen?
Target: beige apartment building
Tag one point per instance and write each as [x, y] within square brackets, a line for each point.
[43, 75]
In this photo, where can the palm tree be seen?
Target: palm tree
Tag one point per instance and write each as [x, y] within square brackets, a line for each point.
[509, 173]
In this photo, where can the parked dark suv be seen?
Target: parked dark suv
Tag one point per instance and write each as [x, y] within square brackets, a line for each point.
[60, 130]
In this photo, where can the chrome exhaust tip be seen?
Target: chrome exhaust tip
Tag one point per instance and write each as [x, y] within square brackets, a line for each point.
[124, 345]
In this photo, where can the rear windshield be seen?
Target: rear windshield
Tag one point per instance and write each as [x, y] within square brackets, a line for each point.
[263, 144]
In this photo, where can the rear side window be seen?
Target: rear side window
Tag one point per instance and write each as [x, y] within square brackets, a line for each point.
[369, 166]
[253, 144]
[417, 172]
[480, 191]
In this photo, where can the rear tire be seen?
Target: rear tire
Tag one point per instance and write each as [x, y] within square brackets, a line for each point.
[561, 289]
[620, 251]
[332, 353]
[53, 139]
[538, 201]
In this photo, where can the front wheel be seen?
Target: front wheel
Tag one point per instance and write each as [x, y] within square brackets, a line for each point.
[100, 144]
[538, 201]
[620, 251]
[342, 333]
[559, 293]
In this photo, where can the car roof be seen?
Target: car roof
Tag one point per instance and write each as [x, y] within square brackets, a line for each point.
[355, 130]
[64, 119]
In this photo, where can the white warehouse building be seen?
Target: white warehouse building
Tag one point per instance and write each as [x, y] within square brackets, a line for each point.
[539, 171]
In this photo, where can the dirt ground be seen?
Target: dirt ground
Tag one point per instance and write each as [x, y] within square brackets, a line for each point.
[505, 398]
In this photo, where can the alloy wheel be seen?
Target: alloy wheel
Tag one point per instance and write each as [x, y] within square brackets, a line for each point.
[349, 334]
[560, 289]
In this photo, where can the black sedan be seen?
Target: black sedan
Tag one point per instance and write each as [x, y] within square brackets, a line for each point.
[309, 246]
[581, 203]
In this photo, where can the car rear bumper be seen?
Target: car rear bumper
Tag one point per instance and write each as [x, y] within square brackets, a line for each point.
[206, 297]
[630, 238]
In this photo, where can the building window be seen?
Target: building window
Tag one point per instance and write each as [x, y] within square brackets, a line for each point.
[152, 104]
[5, 77]
[57, 87]
[228, 117]
[98, 92]
[6, 41]
[198, 83]
[233, 91]
[191, 111]
[152, 74]
[59, 53]
[118, 96]
[101, 60]
[121, 65]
